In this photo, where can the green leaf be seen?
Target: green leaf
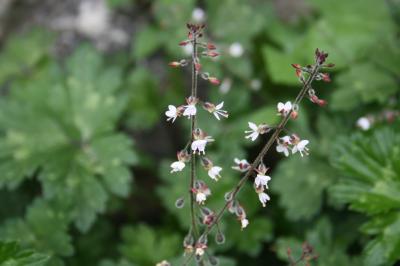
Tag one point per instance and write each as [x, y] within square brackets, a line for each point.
[61, 126]
[12, 254]
[372, 186]
[16, 56]
[145, 246]
[300, 183]
[145, 43]
[44, 229]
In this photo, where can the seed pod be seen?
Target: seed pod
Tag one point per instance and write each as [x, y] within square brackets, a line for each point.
[220, 238]
[180, 202]
[202, 240]
[228, 196]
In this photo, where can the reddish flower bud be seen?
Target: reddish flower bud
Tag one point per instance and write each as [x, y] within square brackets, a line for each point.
[294, 115]
[183, 43]
[213, 54]
[214, 80]
[296, 66]
[298, 72]
[322, 102]
[174, 64]
[329, 65]
[325, 77]
[211, 46]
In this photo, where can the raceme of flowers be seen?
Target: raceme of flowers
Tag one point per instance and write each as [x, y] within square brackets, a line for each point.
[195, 243]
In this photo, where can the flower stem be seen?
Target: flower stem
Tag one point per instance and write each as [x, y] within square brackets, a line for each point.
[267, 146]
[192, 127]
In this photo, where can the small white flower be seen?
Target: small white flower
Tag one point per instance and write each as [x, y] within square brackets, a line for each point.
[214, 172]
[284, 108]
[241, 165]
[236, 49]
[244, 222]
[198, 15]
[253, 133]
[172, 113]
[177, 166]
[364, 123]
[263, 197]
[262, 180]
[201, 195]
[190, 110]
[218, 112]
[199, 252]
[301, 147]
[199, 145]
[283, 145]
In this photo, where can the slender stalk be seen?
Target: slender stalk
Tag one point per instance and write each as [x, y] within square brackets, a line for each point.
[192, 127]
[267, 146]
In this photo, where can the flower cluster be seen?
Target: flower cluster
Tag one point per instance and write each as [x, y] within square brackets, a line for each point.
[194, 244]
[288, 144]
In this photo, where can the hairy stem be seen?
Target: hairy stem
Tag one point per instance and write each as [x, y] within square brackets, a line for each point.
[267, 146]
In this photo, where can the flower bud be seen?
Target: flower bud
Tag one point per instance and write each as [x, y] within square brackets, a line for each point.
[207, 163]
[228, 196]
[183, 43]
[183, 156]
[212, 54]
[220, 238]
[180, 202]
[202, 240]
[211, 46]
[174, 64]
[214, 80]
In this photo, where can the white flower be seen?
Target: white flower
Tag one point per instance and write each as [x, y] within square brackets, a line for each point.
[283, 145]
[284, 109]
[217, 112]
[199, 145]
[177, 166]
[214, 172]
[253, 132]
[364, 123]
[201, 195]
[199, 251]
[244, 222]
[236, 49]
[198, 15]
[301, 147]
[263, 197]
[241, 165]
[172, 113]
[190, 110]
[262, 180]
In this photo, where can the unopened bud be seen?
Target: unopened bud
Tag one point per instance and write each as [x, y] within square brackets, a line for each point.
[183, 43]
[211, 46]
[214, 80]
[174, 64]
[207, 163]
[220, 238]
[228, 196]
[179, 203]
[202, 240]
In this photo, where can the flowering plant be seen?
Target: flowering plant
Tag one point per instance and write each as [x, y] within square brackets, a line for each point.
[195, 244]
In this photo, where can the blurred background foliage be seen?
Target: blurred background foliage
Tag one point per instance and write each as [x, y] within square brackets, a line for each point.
[85, 148]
